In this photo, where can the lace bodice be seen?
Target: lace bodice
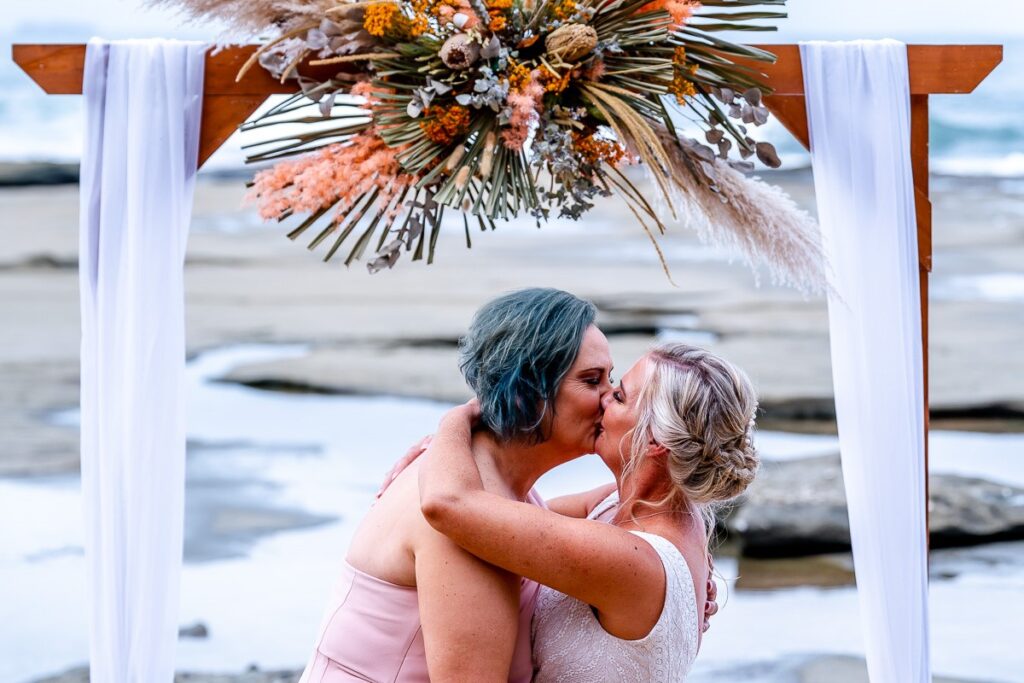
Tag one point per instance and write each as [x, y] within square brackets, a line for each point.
[570, 645]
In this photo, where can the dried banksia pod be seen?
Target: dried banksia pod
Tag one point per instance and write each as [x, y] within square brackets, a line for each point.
[458, 52]
[571, 42]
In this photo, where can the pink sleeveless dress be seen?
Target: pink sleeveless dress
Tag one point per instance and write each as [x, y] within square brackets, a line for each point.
[371, 632]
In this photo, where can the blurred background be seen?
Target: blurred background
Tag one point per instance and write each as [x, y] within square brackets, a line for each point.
[307, 380]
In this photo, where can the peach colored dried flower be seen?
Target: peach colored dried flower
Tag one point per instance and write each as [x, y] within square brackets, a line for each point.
[525, 105]
[336, 175]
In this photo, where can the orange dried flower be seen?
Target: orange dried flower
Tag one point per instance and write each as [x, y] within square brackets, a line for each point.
[595, 150]
[380, 18]
[498, 23]
[418, 25]
[443, 124]
[518, 76]
[500, 4]
[682, 87]
[552, 81]
[564, 9]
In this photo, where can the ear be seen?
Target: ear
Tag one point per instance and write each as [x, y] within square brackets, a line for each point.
[656, 450]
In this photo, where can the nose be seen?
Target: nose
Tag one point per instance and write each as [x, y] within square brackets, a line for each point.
[606, 396]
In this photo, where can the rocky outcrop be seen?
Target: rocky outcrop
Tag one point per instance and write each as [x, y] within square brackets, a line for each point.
[798, 507]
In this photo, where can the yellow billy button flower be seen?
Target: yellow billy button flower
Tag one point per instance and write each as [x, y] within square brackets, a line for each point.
[379, 18]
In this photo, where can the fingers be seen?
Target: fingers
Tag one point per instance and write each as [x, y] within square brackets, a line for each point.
[710, 609]
[410, 456]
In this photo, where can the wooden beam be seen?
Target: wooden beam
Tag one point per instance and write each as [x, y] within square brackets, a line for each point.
[58, 70]
[934, 69]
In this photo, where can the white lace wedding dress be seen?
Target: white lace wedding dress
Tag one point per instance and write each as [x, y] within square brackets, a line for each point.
[570, 646]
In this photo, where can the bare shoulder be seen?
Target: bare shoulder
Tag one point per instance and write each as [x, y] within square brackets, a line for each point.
[384, 543]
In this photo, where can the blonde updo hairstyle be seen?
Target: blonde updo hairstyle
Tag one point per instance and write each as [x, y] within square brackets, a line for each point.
[700, 408]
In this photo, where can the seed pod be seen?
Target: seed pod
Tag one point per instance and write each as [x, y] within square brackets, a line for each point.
[458, 52]
[571, 42]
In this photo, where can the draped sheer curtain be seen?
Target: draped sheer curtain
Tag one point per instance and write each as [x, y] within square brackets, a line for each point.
[858, 111]
[143, 106]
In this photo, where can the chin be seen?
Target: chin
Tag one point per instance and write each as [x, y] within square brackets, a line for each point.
[611, 460]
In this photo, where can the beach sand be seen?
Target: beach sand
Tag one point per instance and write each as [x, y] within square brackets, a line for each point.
[395, 332]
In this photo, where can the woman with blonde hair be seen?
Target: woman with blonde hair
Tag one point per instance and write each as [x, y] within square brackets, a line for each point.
[623, 590]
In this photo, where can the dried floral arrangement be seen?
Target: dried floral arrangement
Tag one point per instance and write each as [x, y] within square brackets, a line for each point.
[500, 108]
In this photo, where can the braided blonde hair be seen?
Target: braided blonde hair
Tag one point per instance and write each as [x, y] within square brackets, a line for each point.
[700, 408]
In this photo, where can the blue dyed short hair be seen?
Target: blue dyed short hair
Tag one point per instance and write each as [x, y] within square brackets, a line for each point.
[515, 355]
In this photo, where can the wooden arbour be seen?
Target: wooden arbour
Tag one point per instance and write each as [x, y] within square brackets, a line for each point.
[227, 103]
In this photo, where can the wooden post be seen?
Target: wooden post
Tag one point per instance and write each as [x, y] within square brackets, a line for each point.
[923, 208]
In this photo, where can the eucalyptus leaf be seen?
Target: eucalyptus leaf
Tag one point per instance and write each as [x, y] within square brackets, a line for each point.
[438, 87]
[326, 104]
[491, 48]
[767, 155]
[415, 228]
[753, 96]
[724, 145]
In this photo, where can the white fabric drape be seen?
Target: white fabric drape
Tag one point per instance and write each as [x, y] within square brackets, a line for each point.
[858, 110]
[143, 105]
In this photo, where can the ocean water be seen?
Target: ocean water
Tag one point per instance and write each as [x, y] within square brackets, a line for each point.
[277, 482]
[976, 135]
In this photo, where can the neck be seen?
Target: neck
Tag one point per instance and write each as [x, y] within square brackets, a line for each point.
[517, 466]
[647, 482]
